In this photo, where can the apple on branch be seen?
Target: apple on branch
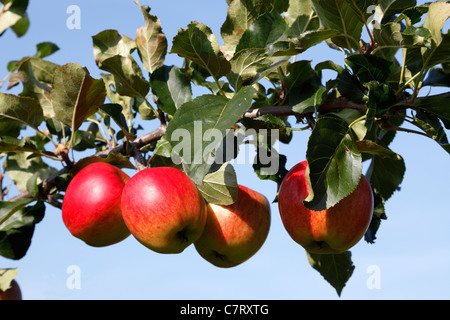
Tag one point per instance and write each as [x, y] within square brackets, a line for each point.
[163, 209]
[234, 233]
[91, 208]
[330, 231]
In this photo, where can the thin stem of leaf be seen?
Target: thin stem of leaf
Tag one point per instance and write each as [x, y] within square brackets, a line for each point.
[402, 72]
[155, 112]
[45, 135]
[406, 84]
[356, 121]
[102, 130]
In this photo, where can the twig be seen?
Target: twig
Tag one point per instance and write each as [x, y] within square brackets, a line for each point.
[139, 142]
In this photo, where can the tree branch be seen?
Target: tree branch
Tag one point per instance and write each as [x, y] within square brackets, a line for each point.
[148, 138]
[141, 141]
[339, 103]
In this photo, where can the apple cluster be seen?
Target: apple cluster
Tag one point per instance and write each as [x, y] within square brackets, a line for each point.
[163, 209]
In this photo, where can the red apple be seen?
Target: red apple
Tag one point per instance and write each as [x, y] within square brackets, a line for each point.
[234, 233]
[13, 293]
[330, 231]
[163, 209]
[91, 208]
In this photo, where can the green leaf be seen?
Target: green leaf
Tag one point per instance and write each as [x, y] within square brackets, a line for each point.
[412, 15]
[265, 32]
[9, 208]
[86, 139]
[32, 185]
[10, 128]
[437, 54]
[437, 104]
[45, 49]
[339, 15]
[151, 42]
[308, 101]
[202, 125]
[264, 170]
[388, 8]
[220, 187]
[353, 117]
[246, 64]
[303, 87]
[17, 231]
[172, 88]
[381, 98]
[21, 167]
[36, 76]
[241, 14]
[296, 9]
[128, 76]
[110, 43]
[305, 41]
[439, 51]
[386, 175]
[335, 268]
[299, 73]
[368, 67]
[391, 35]
[350, 87]
[21, 26]
[334, 162]
[438, 13]
[128, 103]
[431, 125]
[379, 214]
[115, 112]
[11, 144]
[38, 70]
[12, 12]
[198, 44]
[76, 95]
[370, 147]
[20, 109]
[437, 77]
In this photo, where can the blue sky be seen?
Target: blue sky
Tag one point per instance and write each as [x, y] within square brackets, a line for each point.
[411, 253]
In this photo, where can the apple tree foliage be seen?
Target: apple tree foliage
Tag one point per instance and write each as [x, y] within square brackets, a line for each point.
[64, 119]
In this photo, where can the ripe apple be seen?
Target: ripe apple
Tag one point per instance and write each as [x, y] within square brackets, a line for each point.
[234, 233]
[330, 231]
[13, 293]
[163, 209]
[91, 208]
